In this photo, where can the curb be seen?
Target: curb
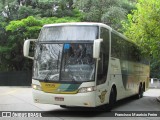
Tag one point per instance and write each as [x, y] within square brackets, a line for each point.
[158, 99]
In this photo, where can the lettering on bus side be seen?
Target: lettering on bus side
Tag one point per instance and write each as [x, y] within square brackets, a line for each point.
[50, 85]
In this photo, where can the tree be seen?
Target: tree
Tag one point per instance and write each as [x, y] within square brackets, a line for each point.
[143, 27]
[19, 9]
[11, 51]
[20, 26]
[110, 12]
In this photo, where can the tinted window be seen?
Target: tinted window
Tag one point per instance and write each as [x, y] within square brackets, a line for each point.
[123, 49]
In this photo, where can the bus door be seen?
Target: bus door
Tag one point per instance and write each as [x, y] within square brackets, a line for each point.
[102, 69]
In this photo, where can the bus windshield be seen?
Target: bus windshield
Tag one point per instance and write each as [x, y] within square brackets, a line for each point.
[64, 62]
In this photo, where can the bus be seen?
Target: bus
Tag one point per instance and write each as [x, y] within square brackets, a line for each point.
[85, 64]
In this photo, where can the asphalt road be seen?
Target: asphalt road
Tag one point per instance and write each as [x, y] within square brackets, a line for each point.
[20, 99]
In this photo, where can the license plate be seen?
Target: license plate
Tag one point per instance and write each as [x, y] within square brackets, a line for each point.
[59, 99]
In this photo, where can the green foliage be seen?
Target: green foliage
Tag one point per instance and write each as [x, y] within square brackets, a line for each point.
[59, 20]
[110, 12]
[20, 27]
[11, 51]
[18, 23]
[143, 27]
[25, 11]
[56, 8]
[27, 28]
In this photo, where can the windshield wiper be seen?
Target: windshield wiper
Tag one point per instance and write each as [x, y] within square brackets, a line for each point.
[47, 76]
[58, 60]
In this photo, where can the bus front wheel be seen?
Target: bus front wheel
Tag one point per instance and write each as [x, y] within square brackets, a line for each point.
[63, 106]
[112, 99]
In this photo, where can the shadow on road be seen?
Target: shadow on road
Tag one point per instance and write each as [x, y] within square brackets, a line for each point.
[125, 101]
[74, 112]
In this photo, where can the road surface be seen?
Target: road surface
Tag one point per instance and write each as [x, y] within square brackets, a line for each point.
[20, 99]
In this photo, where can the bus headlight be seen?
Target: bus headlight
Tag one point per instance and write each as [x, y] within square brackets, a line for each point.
[87, 89]
[36, 87]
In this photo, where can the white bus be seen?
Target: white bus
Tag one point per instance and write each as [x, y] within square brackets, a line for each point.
[86, 65]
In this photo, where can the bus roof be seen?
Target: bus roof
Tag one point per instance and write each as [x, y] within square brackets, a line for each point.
[90, 24]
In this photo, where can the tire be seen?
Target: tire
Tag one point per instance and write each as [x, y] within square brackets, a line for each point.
[112, 99]
[140, 93]
[63, 106]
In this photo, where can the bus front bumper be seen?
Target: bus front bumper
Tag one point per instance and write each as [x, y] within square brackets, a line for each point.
[80, 99]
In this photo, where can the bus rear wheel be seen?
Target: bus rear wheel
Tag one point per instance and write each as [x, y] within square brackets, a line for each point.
[140, 92]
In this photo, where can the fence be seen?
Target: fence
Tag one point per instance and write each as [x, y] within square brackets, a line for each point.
[17, 78]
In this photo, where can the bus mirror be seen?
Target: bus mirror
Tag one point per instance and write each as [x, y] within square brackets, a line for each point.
[96, 48]
[26, 47]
